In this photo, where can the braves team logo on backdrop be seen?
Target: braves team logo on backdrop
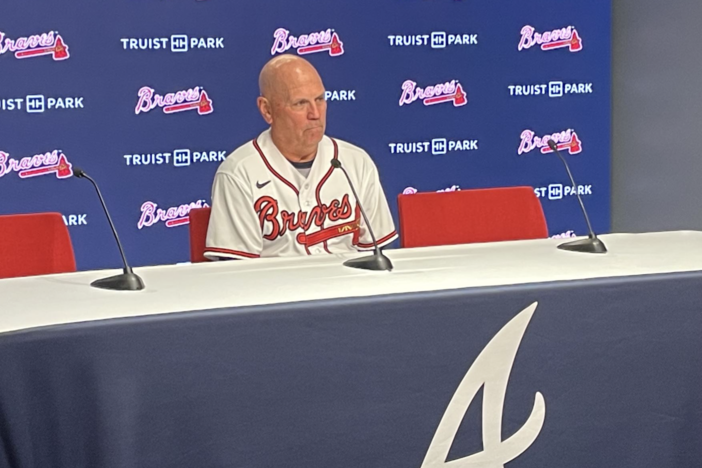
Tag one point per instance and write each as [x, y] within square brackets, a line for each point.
[50, 43]
[323, 41]
[54, 162]
[550, 40]
[566, 141]
[174, 216]
[451, 91]
[181, 101]
[412, 190]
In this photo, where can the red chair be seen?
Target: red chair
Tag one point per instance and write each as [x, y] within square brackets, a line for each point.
[34, 244]
[466, 216]
[199, 219]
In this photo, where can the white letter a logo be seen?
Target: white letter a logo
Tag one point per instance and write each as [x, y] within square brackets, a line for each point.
[491, 368]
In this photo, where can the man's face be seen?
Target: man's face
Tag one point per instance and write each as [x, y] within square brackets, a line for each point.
[298, 111]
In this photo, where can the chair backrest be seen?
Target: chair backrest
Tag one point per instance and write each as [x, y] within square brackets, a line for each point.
[199, 219]
[34, 244]
[466, 216]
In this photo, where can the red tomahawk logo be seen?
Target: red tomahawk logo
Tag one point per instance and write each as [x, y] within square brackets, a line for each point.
[575, 44]
[335, 47]
[63, 170]
[574, 146]
[59, 51]
[459, 98]
[203, 106]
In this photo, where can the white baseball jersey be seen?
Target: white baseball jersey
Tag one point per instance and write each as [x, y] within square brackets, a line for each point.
[263, 207]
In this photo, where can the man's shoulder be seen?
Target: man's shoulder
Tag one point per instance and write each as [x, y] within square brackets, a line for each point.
[349, 150]
[240, 159]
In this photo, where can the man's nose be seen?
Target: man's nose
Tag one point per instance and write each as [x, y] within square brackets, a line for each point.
[315, 111]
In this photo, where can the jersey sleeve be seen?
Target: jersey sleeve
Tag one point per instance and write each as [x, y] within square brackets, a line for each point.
[234, 230]
[376, 206]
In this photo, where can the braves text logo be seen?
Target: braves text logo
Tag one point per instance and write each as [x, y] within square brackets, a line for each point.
[307, 43]
[54, 162]
[567, 140]
[549, 40]
[33, 46]
[180, 101]
[174, 216]
[412, 190]
[276, 222]
[490, 371]
[442, 92]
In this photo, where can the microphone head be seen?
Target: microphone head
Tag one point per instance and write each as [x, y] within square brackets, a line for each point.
[552, 144]
[78, 172]
[336, 164]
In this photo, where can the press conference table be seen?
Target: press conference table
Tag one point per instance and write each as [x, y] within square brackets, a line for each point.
[302, 362]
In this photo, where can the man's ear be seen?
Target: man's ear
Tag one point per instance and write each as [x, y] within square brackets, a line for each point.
[264, 107]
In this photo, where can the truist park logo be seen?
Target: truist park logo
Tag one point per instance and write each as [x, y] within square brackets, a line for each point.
[557, 39]
[181, 101]
[323, 41]
[437, 40]
[566, 141]
[176, 43]
[451, 91]
[50, 43]
[174, 216]
[54, 162]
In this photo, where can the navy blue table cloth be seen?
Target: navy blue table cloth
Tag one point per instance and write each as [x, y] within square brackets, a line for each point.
[365, 382]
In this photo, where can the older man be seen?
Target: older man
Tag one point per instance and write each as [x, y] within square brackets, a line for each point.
[279, 195]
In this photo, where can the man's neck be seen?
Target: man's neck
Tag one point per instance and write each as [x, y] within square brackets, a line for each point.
[294, 156]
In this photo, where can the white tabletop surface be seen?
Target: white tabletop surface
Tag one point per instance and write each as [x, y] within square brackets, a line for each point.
[68, 298]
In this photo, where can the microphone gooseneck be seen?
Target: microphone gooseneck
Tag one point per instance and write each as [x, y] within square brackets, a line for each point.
[592, 244]
[80, 173]
[127, 281]
[377, 261]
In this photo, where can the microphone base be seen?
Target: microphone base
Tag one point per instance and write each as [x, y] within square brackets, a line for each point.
[589, 245]
[377, 262]
[127, 281]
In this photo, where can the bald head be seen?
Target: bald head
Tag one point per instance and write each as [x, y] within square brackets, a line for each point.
[292, 103]
[283, 70]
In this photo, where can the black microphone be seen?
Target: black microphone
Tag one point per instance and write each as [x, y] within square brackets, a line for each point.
[127, 281]
[592, 244]
[377, 261]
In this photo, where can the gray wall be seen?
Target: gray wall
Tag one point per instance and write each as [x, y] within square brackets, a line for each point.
[657, 115]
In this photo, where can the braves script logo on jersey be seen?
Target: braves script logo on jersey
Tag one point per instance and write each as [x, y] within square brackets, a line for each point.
[307, 43]
[174, 216]
[34, 46]
[54, 162]
[276, 221]
[550, 40]
[567, 140]
[181, 101]
[489, 372]
[451, 91]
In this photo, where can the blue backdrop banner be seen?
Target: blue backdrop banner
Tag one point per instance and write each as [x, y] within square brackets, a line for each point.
[150, 96]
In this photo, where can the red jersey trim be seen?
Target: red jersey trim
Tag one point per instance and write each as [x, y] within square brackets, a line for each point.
[238, 253]
[380, 241]
[273, 171]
